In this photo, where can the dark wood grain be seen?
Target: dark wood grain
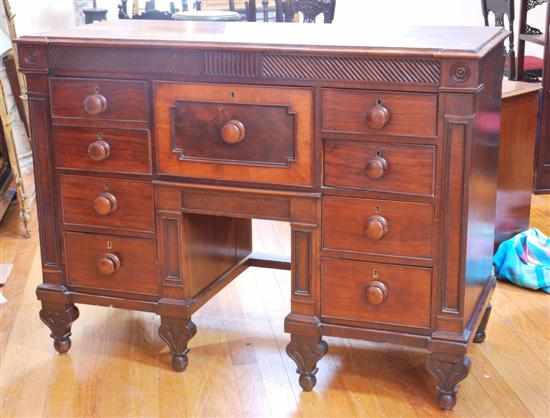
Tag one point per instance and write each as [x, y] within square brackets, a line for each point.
[134, 203]
[442, 42]
[125, 100]
[379, 147]
[213, 246]
[129, 150]
[298, 166]
[138, 271]
[516, 161]
[409, 114]
[409, 232]
[344, 286]
[264, 135]
[410, 168]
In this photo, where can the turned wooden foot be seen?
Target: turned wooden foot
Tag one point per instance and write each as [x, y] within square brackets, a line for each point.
[449, 370]
[480, 333]
[306, 352]
[59, 318]
[176, 333]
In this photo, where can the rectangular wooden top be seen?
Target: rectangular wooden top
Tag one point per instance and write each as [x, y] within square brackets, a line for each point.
[436, 41]
[518, 88]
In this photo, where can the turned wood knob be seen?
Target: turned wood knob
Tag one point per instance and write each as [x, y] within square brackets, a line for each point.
[378, 116]
[108, 264]
[233, 132]
[376, 167]
[377, 227]
[99, 150]
[105, 204]
[95, 104]
[377, 292]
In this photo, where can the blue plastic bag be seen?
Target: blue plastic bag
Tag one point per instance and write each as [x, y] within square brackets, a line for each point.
[525, 260]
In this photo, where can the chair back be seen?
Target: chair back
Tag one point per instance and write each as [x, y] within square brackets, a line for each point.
[310, 9]
[245, 8]
[501, 10]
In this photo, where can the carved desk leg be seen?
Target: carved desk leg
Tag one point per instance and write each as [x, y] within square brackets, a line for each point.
[59, 318]
[306, 352]
[480, 333]
[176, 333]
[449, 370]
[306, 347]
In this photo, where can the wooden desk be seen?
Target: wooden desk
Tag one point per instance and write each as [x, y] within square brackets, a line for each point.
[156, 143]
[520, 105]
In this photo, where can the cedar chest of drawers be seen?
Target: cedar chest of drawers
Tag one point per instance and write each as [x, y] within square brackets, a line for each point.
[155, 145]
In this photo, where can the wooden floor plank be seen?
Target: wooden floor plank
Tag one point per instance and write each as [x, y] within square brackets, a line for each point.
[119, 366]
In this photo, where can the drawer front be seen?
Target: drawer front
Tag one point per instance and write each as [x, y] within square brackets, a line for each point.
[237, 133]
[380, 227]
[106, 262]
[106, 202]
[99, 99]
[366, 112]
[105, 150]
[377, 293]
[380, 167]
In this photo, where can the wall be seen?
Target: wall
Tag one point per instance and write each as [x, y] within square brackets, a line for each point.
[396, 13]
[41, 15]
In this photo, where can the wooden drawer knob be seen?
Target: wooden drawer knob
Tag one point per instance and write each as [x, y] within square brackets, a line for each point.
[105, 204]
[99, 150]
[95, 104]
[233, 132]
[377, 292]
[377, 227]
[108, 264]
[377, 167]
[378, 117]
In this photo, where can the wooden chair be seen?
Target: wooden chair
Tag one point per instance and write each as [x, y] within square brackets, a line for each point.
[247, 9]
[309, 9]
[529, 68]
[502, 9]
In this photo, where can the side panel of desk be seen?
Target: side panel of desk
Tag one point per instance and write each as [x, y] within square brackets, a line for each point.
[516, 164]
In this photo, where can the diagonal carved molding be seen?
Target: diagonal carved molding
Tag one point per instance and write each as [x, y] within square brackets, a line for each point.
[334, 68]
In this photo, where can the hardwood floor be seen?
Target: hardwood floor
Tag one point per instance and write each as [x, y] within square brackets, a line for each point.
[119, 367]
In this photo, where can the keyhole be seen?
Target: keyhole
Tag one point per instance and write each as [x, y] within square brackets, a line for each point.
[109, 245]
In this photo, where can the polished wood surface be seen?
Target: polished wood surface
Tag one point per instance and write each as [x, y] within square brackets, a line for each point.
[277, 133]
[102, 150]
[119, 368]
[381, 166]
[378, 226]
[466, 40]
[520, 105]
[239, 132]
[356, 291]
[99, 99]
[104, 202]
[108, 262]
[379, 113]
